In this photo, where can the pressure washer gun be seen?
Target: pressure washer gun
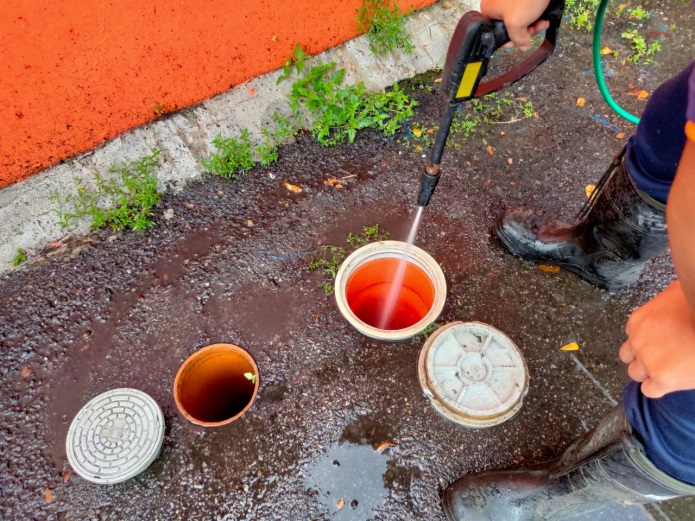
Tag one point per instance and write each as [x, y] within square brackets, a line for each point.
[475, 40]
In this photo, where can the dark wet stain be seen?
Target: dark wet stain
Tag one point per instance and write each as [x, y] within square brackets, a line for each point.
[274, 393]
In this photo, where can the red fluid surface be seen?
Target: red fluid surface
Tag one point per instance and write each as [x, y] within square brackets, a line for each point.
[368, 288]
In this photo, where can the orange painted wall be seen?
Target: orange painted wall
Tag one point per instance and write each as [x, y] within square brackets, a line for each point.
[74, 73]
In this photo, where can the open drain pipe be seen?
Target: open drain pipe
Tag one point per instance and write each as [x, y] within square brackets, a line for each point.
[475, 40]
[216, 385]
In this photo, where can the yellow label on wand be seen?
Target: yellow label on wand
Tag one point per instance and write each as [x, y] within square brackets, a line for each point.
[468, 80]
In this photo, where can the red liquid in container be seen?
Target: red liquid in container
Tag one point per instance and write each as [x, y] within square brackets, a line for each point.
[368, 288]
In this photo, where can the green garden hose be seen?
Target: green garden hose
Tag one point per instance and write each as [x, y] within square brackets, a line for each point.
[598, 71]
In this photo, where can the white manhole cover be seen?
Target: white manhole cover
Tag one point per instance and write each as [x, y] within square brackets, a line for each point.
[115, 436]
[473, 374]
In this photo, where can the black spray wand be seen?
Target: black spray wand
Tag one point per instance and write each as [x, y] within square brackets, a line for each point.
[475, 40]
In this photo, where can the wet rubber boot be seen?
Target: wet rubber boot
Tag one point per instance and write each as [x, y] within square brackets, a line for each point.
[605, 465]
[618, 231]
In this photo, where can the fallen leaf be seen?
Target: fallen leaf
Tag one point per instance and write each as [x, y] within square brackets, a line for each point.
[606, 50]
[417, 132]
[641, 94]
[66, 476]
[341, 504]
[589, 190]
[56, 244]
[251, 91]
[48, 495]
[522, 100]
[490, 150]
[620, 135]
[581, 102]
[572, 346]
[384, 164]
[338, 186]
[292, 188]
[249, 223]
[535, 115]
[630, 86]
[26, 372]
[502, 133]
[430, 130]
[549, 269]
[385, 445]
[330, 181]
[438, 80]
[510, 160]
[623, 6]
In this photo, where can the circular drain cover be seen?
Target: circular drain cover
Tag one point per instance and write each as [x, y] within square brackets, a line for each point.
[115, 436]
[473, 374]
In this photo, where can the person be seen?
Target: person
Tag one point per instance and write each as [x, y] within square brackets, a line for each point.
[643, 450]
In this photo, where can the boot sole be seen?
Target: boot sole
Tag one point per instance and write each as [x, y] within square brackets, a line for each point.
[577, 270]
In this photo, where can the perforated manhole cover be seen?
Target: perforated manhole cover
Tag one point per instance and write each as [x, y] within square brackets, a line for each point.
[115, 436]
[473, 374]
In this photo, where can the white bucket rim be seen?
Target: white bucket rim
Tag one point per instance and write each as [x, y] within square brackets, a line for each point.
[383, 249]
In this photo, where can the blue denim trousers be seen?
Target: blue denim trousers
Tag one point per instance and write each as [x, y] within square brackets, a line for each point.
[666, 426]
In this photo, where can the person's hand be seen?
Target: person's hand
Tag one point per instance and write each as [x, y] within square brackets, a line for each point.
[519, 16]
[660, 348]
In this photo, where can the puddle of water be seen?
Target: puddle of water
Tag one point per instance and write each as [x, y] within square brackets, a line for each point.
[351, 476]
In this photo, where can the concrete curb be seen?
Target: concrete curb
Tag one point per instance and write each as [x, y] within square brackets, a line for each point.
[28, 215]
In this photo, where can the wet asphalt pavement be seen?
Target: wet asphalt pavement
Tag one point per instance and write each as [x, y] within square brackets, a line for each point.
[127, 310]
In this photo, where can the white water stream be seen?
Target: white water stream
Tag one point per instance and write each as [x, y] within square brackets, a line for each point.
[397, 284]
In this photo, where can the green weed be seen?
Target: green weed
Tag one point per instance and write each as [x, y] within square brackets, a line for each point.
[384, 24]
[125, 201]
[529, 111]
[369, 234]
[339, 111]
[581, 13]
[158, 108]
[19, 258]
[638, 13]
[329, 258]
[236, 155]
[232, 156]
[425, 333]
[640, 49]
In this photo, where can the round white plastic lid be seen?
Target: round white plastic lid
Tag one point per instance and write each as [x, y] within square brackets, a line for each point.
[115, 436]
[473, 374]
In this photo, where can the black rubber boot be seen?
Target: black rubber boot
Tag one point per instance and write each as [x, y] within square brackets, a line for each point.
[605, 465]
[618, 231]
